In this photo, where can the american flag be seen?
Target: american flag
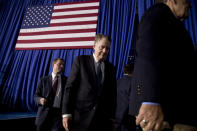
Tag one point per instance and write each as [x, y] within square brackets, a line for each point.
[59, 26]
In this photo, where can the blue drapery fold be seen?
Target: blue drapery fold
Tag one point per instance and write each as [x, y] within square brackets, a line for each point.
[191, 23]
[20, 71]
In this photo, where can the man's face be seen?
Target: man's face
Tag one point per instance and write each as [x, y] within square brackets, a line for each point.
[58, 66]
[101, 49]
[181, 8]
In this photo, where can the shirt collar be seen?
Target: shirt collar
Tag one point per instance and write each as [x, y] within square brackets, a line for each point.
[96, 60]
[53, 75]
[175, 15]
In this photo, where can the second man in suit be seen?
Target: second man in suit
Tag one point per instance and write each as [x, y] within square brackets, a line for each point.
[90, 95]
[48, 97]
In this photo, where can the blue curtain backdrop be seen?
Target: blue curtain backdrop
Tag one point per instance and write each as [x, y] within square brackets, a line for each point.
[191, 23]
[142, 6]
[20, 71]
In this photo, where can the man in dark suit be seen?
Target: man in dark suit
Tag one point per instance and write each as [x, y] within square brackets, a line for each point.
[48, 97]
[122, 119]
[90, 93]
[164, 75]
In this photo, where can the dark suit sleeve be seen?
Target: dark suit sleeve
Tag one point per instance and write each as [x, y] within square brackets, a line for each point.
[70, 88]
[111, 99]
[114, 93]
[147, 72]
[38, 93]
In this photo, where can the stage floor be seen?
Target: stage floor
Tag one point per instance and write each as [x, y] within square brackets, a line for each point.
[19, 121]
[16, 115]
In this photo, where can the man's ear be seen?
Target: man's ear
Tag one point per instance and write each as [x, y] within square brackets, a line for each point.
[94, 45]
[171, 4]
[172, 1]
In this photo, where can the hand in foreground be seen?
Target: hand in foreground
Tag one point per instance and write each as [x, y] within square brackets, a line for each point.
[150, 117]
[66, 122]
[43, 101]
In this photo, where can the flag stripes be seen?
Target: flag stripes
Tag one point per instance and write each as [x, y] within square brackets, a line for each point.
[72, 25]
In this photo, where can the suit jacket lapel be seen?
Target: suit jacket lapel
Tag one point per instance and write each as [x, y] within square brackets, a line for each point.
[104, 72]
[92, 69]
[49, 89]
[58, 95]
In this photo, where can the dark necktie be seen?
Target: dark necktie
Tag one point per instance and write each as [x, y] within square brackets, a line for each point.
[55, 81]
[99, 74]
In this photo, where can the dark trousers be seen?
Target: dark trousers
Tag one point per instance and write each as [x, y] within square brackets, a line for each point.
[53, 121]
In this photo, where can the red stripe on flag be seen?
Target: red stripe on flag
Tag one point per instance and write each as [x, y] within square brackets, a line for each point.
[77, 2]
[75, 9]
[58, 32]
[57, 48]
[74, 16]
[71, 27]
[73, 23]
[56, 40]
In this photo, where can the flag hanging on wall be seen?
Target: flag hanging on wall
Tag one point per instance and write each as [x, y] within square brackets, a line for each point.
[59, 26]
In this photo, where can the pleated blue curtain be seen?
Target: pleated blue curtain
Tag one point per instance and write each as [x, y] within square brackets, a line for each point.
[20, 71]
[191, 23]
[119, 25]
[142, 6]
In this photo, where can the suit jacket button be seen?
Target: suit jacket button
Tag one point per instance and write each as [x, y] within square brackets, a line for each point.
[94, 108]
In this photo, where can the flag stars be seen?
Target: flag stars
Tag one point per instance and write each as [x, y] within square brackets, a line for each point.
[38, 16]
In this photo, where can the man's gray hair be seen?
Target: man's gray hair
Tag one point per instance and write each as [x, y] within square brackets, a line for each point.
[98, 37]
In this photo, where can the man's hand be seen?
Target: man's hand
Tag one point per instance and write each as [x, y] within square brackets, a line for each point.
[66, 122]
[150, 117]
[43, 101]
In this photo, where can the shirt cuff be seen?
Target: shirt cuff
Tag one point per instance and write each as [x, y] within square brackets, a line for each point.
[66, 115]
[151, 103]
